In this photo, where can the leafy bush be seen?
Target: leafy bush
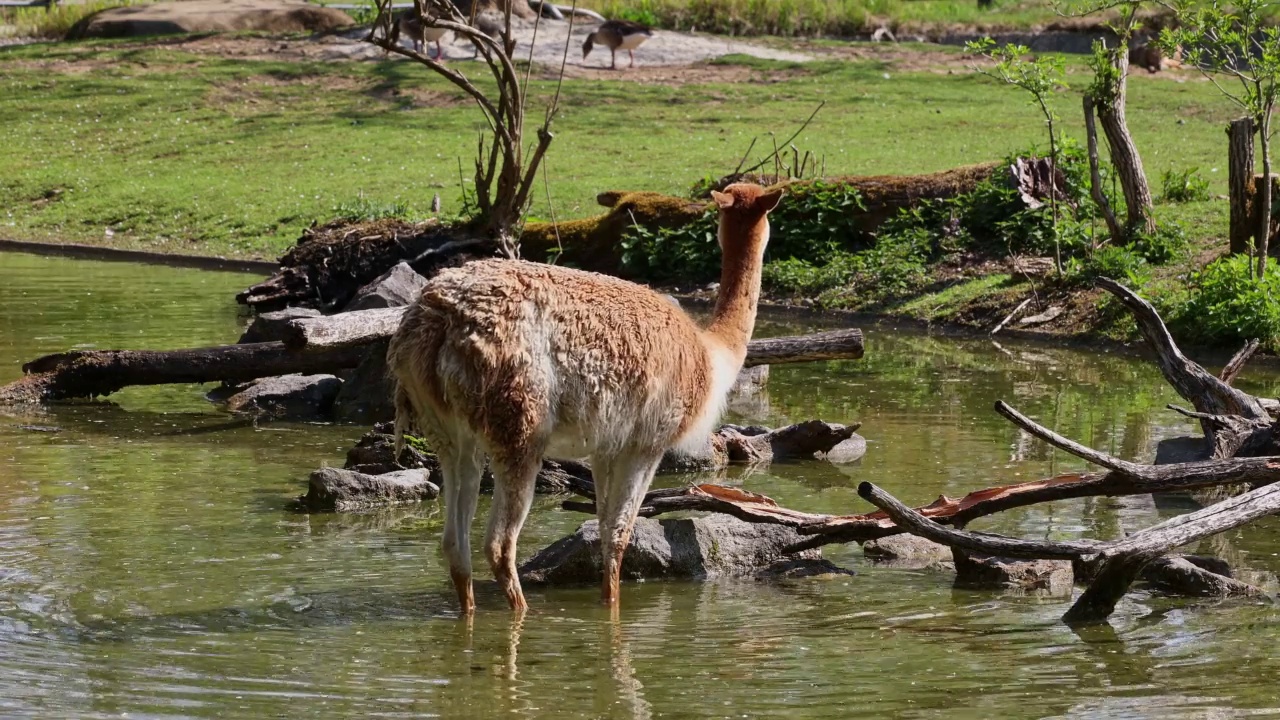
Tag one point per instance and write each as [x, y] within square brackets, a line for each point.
[1118, 263]
[811, 224]
[1184, 186]
[1226, 305]
[1166, 244]
[683, 254]
[813, 219]
[892, 266]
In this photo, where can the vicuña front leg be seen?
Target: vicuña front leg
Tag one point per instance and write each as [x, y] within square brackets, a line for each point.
[461, 463]
[513, 487]
[618, 496]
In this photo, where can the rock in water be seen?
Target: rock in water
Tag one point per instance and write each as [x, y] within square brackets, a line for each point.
[270, 326]
[366, 394]
[687, 548]
[905, 551]
[1033, 577]
[345, 490]
[397, 287]
[287, 397]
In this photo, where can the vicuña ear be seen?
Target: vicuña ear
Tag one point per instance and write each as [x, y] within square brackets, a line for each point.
[769, 201]
[724, 200]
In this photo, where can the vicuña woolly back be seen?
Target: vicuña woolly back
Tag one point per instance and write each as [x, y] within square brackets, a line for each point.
[519, 360]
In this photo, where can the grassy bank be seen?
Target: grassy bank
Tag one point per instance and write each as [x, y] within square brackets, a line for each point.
[167, 148]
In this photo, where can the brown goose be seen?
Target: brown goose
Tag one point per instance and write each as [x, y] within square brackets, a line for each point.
[412, 26]
[617, 35]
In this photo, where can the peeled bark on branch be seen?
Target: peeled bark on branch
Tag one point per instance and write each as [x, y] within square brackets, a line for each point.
[91, 373]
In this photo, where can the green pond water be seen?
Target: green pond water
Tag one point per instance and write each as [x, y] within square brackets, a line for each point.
[149, 568]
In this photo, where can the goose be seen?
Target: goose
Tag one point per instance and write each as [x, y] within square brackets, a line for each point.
[617, 35]
[411, 25]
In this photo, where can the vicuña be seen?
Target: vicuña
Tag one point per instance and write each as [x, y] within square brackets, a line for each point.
[519, 360]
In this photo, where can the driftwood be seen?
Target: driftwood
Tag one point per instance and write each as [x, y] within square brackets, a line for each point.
[91, 373]
[332, 345]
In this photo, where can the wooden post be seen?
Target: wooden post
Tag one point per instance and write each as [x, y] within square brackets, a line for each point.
[1240, 185]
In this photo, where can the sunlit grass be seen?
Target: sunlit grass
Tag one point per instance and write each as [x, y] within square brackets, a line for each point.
[130, 145]
[52, 22]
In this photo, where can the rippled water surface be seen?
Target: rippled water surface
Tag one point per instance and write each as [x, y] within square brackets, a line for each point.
[148, 567]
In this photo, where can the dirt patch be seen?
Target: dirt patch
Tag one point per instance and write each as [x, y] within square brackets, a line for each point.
[701, 73]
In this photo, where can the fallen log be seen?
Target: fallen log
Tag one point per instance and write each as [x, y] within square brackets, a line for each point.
[92, 373]
[1114, 565]
[1120, 562]
[328, 347]
[1232, 420]
[363, 327]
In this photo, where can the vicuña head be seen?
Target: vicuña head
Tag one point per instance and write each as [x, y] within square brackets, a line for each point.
[519, 360]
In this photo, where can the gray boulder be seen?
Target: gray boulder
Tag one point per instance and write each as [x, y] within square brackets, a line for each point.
[346, 490]
[905, 550]
[397, 287]
[688, 548]
[287, 397]
[270, 326]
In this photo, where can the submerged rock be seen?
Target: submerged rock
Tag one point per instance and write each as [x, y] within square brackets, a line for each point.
[1034, 577]
[687, 548]
[345, 490]
[287, 397]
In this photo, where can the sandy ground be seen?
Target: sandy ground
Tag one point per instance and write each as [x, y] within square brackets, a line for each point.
[663, 49]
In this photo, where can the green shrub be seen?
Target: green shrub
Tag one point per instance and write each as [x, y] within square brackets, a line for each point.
[689, 253]
[1226, 305]
[1184, 186]
[1168, 243]
[1122, 264]
[814, 219]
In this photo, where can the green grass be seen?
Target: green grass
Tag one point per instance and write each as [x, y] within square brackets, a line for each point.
[52, 22]
[945, 302]
[186, 153]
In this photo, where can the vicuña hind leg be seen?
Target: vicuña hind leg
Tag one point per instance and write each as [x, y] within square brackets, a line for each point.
[513, 486]
[461, 462]
[620, 488]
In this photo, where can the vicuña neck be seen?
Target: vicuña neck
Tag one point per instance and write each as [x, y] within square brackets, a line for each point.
[735, 314]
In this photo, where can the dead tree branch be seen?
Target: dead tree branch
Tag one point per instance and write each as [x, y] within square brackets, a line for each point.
[504, 175]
